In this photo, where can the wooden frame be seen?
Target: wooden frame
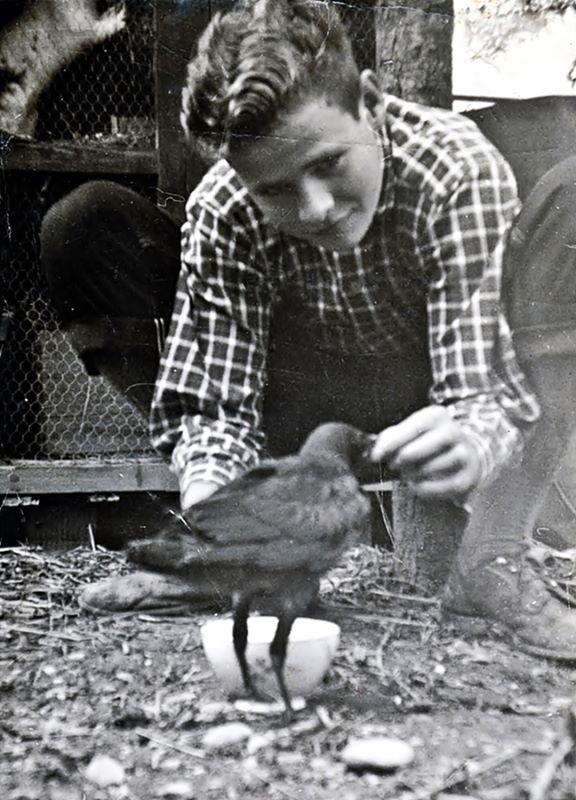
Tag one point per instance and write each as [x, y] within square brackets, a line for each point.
[177, 27]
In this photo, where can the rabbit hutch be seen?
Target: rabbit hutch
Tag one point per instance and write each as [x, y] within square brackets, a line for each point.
[99, 98]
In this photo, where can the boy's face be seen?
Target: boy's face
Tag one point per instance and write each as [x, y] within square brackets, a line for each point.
[318, 174]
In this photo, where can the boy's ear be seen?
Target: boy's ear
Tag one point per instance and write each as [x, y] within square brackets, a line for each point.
[371, 97]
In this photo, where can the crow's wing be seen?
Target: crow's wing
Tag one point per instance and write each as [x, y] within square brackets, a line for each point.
[230, 514]
[184, 539]
[281, 516]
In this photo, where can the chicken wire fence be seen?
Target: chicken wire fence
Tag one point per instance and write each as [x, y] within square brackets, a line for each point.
[49, 408]
[358, 16]
[107, 93]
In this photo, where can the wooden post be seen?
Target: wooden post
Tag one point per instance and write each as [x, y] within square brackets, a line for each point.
[414, 61]
[179, 23]
[414, 49]
[426, 537]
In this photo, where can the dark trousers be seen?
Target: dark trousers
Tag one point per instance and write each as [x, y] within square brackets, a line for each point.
[540, 297]
[112, 260]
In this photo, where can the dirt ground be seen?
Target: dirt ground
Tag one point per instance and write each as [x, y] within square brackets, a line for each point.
[486, 722]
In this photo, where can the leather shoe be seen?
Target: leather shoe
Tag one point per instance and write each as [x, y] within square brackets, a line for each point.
[149, 593]
[524, 593]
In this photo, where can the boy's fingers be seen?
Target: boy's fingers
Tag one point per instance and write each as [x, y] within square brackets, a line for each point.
[454, 486]
[443, 466]
[423, 448]
[387, 443]
[391, 439]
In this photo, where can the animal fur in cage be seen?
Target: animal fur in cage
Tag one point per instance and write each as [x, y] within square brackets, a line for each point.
[37, 39]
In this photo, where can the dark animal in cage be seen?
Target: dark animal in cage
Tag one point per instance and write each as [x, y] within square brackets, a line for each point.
[272, 533]
[49, 408]
[36, 40]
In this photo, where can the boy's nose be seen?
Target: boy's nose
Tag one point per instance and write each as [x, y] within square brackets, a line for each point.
[315, 202]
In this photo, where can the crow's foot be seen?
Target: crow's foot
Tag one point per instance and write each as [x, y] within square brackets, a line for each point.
[257, 695]
[288, 716]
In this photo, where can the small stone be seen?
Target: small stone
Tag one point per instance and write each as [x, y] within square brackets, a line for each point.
[228, 735]
[182, 790]
[171, 764]
[250, 764]
[217, 783]
[63, 792]
[268, 709]
[105, 771]
[259, 741]
[210, 712]
[324, 769]
[377, 753]
[288, 760]
[77, 655]
[290, 763]
[450, 796]
[319, 764]
[253, 774]
[360, 654]
[28, 790]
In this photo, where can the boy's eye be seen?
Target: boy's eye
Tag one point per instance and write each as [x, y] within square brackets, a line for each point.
[324, 167]
[330, 163]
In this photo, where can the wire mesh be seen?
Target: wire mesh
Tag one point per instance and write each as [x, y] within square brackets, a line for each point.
[358, 16]
[106, 94]
[49, 408]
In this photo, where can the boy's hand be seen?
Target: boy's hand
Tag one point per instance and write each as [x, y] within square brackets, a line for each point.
[195, 492]
[432, 453]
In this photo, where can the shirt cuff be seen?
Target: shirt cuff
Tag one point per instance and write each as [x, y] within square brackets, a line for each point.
[484, 451]
[209, 471]
[497, 439]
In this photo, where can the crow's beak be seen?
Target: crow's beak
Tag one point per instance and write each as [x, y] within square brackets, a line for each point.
[367, 452]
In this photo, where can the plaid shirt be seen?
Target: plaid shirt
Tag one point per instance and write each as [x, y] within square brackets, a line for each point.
[430, 265]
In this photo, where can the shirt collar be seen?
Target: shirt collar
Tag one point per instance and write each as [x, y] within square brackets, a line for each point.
[386, 199]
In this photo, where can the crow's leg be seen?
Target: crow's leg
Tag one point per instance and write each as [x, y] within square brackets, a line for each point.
[240, 639]
[278, 650]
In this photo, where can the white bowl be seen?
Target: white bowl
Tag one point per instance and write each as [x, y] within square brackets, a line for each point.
[311, 648]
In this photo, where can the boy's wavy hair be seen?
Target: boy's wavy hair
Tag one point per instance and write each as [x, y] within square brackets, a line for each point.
[256, 63]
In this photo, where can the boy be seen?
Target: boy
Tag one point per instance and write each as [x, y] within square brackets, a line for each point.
[341, 260]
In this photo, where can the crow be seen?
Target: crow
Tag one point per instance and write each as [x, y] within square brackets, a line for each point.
[271, 533]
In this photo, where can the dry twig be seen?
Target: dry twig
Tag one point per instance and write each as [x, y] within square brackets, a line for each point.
[66, 637]
[545, 777]
[184, 750]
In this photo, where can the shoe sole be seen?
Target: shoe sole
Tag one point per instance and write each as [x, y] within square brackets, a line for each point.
[542, 652]
[176, 610]
[510, 636]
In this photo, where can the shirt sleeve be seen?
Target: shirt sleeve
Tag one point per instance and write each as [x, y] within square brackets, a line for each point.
[207, 406]
[475, 372]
